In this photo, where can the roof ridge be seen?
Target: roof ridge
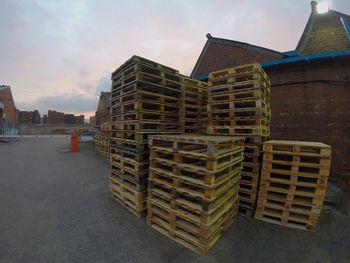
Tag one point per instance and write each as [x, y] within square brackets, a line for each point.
[244, 43]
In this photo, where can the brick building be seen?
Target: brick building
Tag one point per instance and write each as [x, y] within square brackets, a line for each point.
[55, 117]
[2, 107]
[92, 121]
[79, 120]
[103, 108]
[69, 119]
[8, 115]
[44, 119]
[28, 117]
[310, 97]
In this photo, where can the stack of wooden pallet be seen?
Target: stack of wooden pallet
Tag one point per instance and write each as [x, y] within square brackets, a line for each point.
[102, 140]
[193, 187]
[97, 141]
[239, 105]
[145, 100]
[193, 116]
[293, 183]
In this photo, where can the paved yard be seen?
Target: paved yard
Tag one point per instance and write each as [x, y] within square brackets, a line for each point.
[55, 207]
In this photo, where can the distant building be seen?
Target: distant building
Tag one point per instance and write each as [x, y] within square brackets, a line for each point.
[79, 120]
[36, 117]
[103, 108]
[28, 117]
[2, 106]
[44, 119]
[8, 113]
[55, 117]
[69, 119]
[92, 121]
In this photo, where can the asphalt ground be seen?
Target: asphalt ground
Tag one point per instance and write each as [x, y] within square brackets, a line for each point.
[55, 207]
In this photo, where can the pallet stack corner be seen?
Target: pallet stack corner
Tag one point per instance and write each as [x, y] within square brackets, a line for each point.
[293, 183]
[239, 105]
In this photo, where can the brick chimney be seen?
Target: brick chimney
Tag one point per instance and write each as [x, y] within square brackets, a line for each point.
[314, 7]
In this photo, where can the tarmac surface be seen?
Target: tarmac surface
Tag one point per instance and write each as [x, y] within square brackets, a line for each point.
[55, 207]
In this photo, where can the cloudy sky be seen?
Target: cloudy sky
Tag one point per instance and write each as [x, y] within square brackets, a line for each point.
[59, 54]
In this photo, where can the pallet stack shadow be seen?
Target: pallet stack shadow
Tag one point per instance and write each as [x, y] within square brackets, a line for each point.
[145, 100]
[293, 183]
[239, 105]
[193, 187]
[102, 140]
[194, 97]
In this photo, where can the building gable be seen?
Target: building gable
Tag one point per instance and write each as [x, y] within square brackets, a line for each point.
[325, 32]
[221, 53]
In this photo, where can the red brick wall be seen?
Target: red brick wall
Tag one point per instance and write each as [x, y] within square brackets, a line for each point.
[314, 111]
[10, 108]
[220, 56]
[328, 34]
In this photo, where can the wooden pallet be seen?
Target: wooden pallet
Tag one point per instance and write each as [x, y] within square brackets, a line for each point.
[238, 130]
[128, 165]
[138, 105]
[151, 97]
[189, 84]
[146, 116]
[196, 145]
[142, 86]
[302, 148]
[295, 179]
[194, 237]
[137, 136]
[307, 170]
[251, 167]
[238, 87]
[248, 77]
[146, 126]
[239, 113]
[286, 198]
[193, 160]
[252, 178]
[253, 149]
[104, 155]
[251, 158]
[255, 140]
[242, 69]
[140, 156]
[184, 170]
[197, 209]
[291, 188]
[190, 97]
[129, 144]
[203, 230]
[192, 186]
[290, 217]
[247, 196]
[235, 93]
[162, 78]
[136, 63]
[137, 183]
[240, 121]
[300, 160]
[238, 104]
[135, 201]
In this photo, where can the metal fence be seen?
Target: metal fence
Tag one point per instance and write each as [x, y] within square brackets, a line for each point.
[8, 132]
